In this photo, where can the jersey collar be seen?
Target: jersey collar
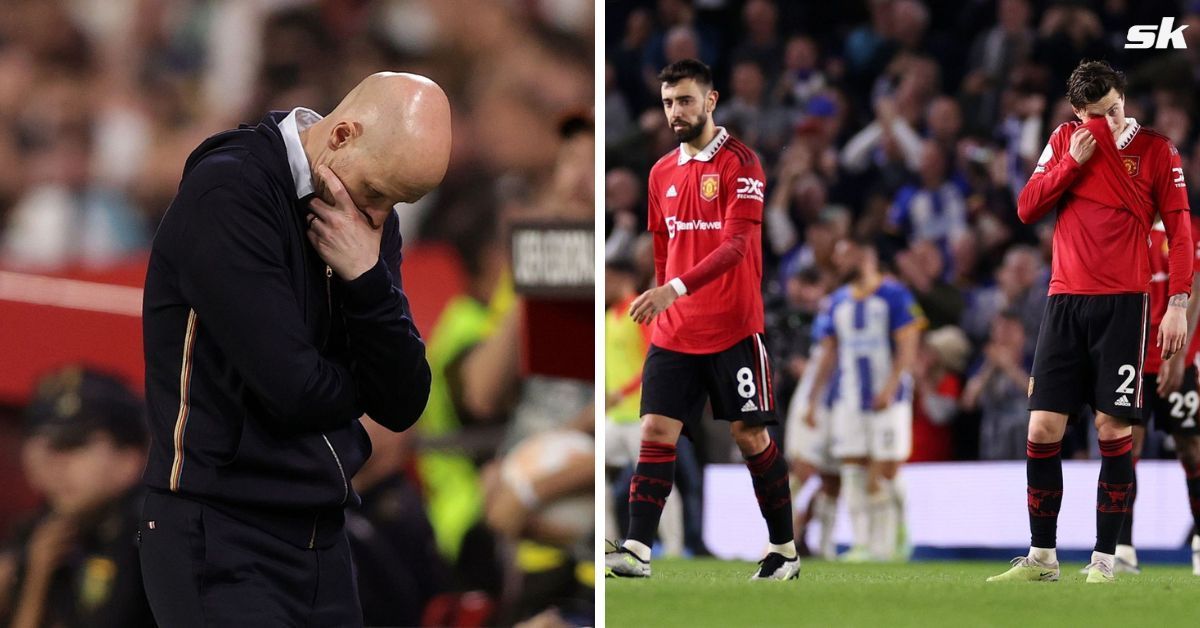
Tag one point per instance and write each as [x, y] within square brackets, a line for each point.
[1131, 129]
[709, 151]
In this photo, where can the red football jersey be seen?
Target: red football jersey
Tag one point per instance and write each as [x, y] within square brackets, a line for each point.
[1158, 292]
[1104, 214]
[690, 198]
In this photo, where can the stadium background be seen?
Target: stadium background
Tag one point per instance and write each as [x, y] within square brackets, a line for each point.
[914, 124]
[102, 100]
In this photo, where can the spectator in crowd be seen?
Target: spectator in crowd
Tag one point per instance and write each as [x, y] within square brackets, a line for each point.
[802, 77]
[933, 211]
[76, 564]
[994, 53]
[761, 45]
[938, 378]
[624, 211]
[921, 268]
[756, 118]
[997, 389]
[1016, 289]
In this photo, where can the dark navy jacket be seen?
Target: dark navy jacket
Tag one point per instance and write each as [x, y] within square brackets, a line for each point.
[259, 360]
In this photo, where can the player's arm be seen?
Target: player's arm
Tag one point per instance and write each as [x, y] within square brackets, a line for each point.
[827, 350]
[735, 241]
[905, 320]
[743, 190]
[906, 340]
[1054, 174]
[1170, 197]
[1170, 374]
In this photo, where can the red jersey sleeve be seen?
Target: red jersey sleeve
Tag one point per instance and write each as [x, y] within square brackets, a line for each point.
[654, 221]
[655, 225]
[1055, 172]
[744, 189]
[1196, 244]
[1170, 190]
[1170, 199]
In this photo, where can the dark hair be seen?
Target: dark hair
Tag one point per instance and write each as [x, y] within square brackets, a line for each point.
[686, 69]
[1091, 80]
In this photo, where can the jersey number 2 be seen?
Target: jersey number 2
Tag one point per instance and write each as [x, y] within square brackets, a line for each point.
[1129, 372]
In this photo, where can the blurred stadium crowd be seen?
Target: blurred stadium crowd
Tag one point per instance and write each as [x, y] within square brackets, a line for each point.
[466, 520]
[913, 124]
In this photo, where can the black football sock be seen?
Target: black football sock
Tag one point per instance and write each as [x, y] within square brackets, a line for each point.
[1126, 536]
[769, 474]
[1114, 491]
[649, 488]
[1193, 489]
[1043, 474]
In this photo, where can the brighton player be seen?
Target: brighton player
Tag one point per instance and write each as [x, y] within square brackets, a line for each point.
[1106, 176]
[705, 210]
[872, 337]
[1173, 396]
[808, 445]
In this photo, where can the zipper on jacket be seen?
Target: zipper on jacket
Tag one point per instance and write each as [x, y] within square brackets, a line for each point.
[342, 471]
[312, 539]
[328, 304]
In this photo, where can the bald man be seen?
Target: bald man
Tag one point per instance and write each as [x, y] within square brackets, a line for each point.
[274, 318]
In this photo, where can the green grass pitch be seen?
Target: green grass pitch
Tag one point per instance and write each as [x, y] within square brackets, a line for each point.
[718, 593]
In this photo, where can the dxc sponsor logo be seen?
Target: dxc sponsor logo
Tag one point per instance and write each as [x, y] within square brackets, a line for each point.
[750, 188]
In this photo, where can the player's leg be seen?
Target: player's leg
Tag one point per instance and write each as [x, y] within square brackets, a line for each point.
[1187, 444]
[739, 384]
[1119, 326]
[1058, 385]
[1179, 418]
[831, 483]
[651, 483]
[1043, 474]
[826, 512]
[850, 446]
[671, 394]
[1126, 554]
[769, 475]
[1114, 491]
[807, 450]
[800, 471]
[890, 445]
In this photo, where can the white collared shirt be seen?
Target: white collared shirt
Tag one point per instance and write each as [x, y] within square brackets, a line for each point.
[709, 150]
[299, 119]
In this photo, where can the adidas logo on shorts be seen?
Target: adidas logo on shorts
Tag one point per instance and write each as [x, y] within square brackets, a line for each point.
[749, 407]
[1123, 402]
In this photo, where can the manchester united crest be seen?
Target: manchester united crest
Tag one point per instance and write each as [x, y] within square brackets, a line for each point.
[1131, 165]
[709, 186]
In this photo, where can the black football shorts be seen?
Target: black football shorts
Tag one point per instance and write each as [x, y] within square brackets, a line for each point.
[1090, 350]
[736, 380]
[1176, 414]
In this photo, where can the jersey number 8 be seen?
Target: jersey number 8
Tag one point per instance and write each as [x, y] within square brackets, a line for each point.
[745, 378]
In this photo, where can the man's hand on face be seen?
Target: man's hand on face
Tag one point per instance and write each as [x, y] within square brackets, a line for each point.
[340, 232]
